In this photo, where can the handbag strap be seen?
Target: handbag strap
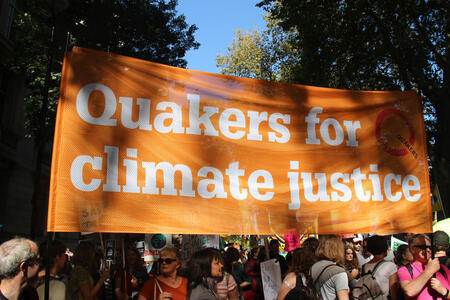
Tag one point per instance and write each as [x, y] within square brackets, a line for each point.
[154, 289]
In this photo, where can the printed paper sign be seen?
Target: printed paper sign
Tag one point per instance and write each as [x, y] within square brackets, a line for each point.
[271, 278]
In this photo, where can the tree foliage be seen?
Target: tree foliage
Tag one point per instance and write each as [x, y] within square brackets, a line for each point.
[146, 29]
[375, 45]
[265, 55]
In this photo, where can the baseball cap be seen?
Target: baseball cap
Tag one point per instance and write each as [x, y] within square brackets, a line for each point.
[440, 238]
[358, 238]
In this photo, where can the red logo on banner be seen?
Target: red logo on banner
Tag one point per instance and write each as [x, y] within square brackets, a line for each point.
[383, 138]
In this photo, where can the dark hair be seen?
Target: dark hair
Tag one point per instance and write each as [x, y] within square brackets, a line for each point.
[56, 248]
[199, 266]
[377, 245]
[84, 254]
[401, 250]
[231, 255]
[274, 242]
[311, 243]
[302, 260]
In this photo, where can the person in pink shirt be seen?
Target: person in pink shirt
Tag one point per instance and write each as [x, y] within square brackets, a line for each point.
[429, 279]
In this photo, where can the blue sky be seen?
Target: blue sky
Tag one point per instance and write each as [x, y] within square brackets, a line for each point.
[216, 21]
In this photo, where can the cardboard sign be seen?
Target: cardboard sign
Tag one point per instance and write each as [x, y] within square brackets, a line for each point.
[144, 147]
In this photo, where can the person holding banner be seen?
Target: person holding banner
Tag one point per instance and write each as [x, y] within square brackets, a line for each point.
[205, 270]
[57, 260]
[81, 284]
[168, 285]
[426, 279]
[126, 281]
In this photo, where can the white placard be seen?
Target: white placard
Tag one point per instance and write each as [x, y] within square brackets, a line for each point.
[271, 278]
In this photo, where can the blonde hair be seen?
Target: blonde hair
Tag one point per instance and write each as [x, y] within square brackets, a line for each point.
[331, 248]
[173, 250]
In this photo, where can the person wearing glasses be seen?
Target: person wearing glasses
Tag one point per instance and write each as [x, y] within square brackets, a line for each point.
[426, 279]
[19, 261]
[168, 285]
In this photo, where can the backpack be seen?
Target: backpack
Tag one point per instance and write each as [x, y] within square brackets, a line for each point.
[302, 291]
[326, 273]
[367, 287]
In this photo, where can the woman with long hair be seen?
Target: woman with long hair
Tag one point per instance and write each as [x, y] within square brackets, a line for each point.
[168, 285]
[328, 274]
[205, 270]
[351, 264]
[298, 278]
[129, 281]
[81, 284]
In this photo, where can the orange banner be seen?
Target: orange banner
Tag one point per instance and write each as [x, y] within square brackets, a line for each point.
[144, 147]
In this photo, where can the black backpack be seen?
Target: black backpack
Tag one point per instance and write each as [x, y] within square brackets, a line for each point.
[302, 291]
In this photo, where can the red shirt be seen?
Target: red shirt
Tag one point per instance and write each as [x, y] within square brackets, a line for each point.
[178, 293]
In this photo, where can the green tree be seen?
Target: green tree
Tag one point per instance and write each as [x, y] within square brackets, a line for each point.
[146, 29]
[377, 45]
[44, 29]
[265, 55]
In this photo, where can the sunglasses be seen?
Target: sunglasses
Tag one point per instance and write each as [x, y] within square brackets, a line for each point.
[167, 261]
[423, 247]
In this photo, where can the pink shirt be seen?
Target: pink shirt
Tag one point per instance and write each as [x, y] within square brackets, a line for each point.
[403, 274]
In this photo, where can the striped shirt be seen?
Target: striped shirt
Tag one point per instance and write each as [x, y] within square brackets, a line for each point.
[226, 285]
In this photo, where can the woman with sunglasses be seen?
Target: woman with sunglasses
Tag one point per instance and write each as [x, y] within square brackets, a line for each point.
[167, 285]
[205, 270]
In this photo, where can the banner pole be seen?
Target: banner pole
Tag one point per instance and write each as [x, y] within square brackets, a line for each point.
[266, 247]
[124, 264]
[102, 245]
[50, 238]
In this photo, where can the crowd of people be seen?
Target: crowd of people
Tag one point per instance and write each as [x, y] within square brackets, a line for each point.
[329, 267]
